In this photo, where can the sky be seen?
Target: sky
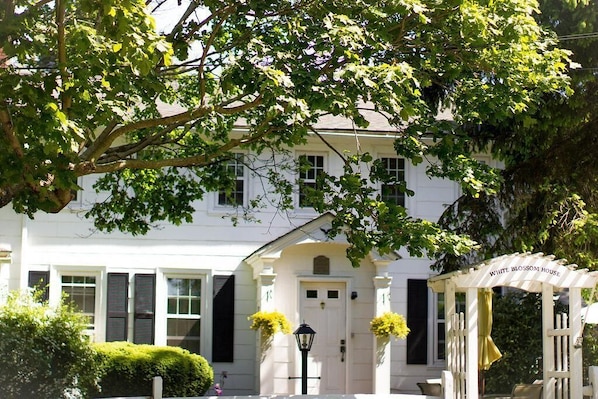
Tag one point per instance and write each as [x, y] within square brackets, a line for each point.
[168, 14]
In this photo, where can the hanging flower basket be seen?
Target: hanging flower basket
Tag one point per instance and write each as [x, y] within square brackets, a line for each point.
[388, 324]
[270, 323]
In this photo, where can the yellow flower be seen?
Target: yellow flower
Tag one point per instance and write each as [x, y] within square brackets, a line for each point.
[388, 324]
[270, 323]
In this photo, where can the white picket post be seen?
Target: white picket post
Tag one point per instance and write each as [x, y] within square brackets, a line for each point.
[157, 388]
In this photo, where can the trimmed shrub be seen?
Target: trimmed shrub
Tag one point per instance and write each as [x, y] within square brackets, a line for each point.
[128, 370]
[44, 352]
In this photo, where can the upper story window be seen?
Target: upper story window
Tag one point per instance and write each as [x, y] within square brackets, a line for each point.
[184, 313]
[393, 193]
[311, 166]
[81, 291]
[236, 195]
[77, 199]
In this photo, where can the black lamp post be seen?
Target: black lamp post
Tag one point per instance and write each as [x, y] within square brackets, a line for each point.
[305, 337]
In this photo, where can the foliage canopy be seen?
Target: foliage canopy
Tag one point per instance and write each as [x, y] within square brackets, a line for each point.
[82, 82]
[548, 201]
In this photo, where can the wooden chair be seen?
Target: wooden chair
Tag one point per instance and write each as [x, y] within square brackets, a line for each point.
[431, 389]
[527, 391]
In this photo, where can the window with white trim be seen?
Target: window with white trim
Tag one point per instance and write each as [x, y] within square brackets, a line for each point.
[311, 166]
[236, 195]
[81, 293]
[183, 324]
[76, 202]
[440, 329]
[393, 192]
[440, 323]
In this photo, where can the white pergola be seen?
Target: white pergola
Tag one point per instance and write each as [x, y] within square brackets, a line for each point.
[562, 356]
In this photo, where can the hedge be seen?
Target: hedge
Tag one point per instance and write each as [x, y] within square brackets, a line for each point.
[128, 370]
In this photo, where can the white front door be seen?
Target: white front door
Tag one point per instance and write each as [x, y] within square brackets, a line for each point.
[324, 308]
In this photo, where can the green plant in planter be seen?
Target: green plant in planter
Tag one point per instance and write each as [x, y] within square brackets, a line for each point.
[388, 324]
[270, 323]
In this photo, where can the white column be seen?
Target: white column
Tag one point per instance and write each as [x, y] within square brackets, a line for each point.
[381, 360]
[471, 360]
[382, 285]
[548, 342]
[449, 313]
[266, 290]
[265, 355]
[576, 360]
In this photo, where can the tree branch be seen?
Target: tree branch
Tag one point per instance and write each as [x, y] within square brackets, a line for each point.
[103, 144]
[8, 193]
[97, 149]
[60, 23]
[198, 160]
[337, 152]
[93, 148]
[190, 10]
[126, 150]
[9, 130]
[204, 56]
[9, 9]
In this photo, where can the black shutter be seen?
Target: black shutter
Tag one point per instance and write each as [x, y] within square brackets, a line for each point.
[117, 315]
[223, 317]
[40, 280]
[417, 321]
[145, 293]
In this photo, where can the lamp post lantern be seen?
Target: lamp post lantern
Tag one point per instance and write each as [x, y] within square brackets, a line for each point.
[305, 338]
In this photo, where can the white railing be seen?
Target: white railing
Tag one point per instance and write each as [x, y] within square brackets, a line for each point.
[157, 394]
[561, 373]
[457, 337]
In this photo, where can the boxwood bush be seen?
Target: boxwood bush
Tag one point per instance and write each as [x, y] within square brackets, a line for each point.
[44, 351]
[128, 370]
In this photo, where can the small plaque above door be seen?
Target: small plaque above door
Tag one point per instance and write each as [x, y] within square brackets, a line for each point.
[321, 265]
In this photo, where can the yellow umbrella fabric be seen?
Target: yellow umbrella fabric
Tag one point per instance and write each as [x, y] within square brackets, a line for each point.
[487, 351]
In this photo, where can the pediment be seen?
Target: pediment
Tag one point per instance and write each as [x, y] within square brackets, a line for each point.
[314, 231]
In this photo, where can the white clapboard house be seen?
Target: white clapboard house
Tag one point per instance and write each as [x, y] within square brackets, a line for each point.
[197, 284]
